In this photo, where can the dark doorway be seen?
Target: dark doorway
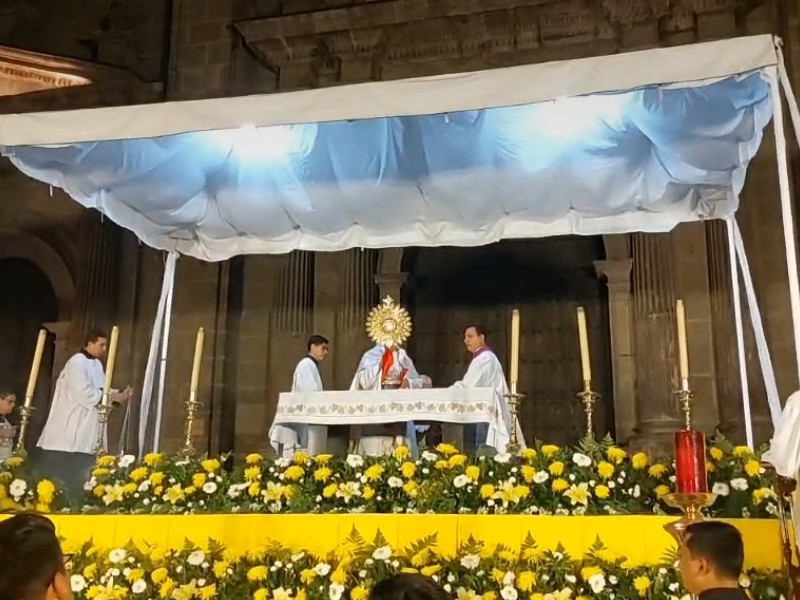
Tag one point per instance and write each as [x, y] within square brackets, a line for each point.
[547, 280]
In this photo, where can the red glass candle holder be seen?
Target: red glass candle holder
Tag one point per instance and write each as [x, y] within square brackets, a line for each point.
[690, 463]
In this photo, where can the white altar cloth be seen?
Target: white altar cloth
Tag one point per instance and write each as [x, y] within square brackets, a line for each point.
[459, 406]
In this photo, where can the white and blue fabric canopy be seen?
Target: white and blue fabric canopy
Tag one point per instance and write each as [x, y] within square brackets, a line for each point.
[635, 142]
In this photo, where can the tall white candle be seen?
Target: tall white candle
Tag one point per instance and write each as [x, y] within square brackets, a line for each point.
[514, 377]
[112, 360]
[198, 356]
[683, 352]
[583, 339]
[37, 362]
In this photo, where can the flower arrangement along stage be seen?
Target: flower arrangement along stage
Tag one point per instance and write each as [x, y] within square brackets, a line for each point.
[597, 478]
[476, 571]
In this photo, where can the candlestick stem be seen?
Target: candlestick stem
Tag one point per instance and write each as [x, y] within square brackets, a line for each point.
[691, 505]
[103, 411]
[514, 400]
[685, 397]
[25, 412]
[588, 397]
[192, 409]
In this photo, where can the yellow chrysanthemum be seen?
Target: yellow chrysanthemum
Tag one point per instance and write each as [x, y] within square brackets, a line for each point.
[159, 575]
[408, 469]
[294, 473]
[323, 459]
[301, 458]
[473, 472]
[616, 455]
[258, 573]
[641, 584]
[457, 460]
[261, 594]
[605, 469]
[106, 461]
[762, 494]
[602, 492]
[640, 460]
[198, 480]
[45, 491]
[359, 593]
[556, 468]
[339, 576]
[100, 472]
[153, 459]
[330, 490]
[526, 580]
[401, 452]
[139, 474]
[559, 485]
[220, 569]
[373, 472]
[207, 592]
[657, 471]
[252, 474]
[588, 572]
[446, 449]
[661, 490]
[528, 473]
[441, 465]
[487, 491]
[157, 478]
[549, 450]
[253, 459]
[528, 454]
[411, 488]
[742, 451]
[322, 474]
[716, 453]
[14, 462]
[752, 467]
[368, 493]
[211, 465]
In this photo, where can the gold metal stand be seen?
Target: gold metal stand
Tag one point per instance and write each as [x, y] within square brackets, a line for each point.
[25, 412]
[103, 411]
[691, 505]
[514, 400]
[784, 490]
[192, 408]
[588, 397]
[685, 397]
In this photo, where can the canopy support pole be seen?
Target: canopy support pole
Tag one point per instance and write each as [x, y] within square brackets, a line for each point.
[162, 367]
[786, 200]
[767, 370]
[152, 356]
[737, 315]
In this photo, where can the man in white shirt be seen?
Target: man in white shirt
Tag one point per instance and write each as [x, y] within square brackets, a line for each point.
[68, 441]
[485, 371]
[286, 440]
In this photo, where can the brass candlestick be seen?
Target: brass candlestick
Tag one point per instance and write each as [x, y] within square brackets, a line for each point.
[103, 411]
[685, 397]
[514, 400]
[25, 412]
[588, 397]
[691, 505]
[192, 408]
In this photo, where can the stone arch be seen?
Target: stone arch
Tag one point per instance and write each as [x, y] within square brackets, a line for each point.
[18, 244]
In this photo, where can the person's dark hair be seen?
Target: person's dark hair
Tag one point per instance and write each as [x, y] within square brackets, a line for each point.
[479, 329]
[316, 340]
[409, 586]
[94, 335]
[30, 557]
[720, 544]
[6, 391]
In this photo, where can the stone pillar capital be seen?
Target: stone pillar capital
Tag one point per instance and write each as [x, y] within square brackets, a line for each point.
[391, 284]
[616, 273]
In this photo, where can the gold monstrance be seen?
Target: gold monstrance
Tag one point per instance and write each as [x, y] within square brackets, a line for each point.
[389, 324]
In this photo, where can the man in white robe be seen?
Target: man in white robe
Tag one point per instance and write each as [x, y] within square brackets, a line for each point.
[68, 442]
[784, 450]
[382, 367]
[286, 440]
[485, 371]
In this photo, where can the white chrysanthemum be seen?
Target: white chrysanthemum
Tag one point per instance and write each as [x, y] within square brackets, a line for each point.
[17, 488]
[382, 553]
[508, 593]
[461, 481]
[395, 482]
[581, 460]
[127, 460]
[354, 460]
[470, 561]
[322, 569]
[209, 487]
[196, 558]
[541, 477]
[139, 586]
[429, 456]
[739, 484]
[335, 591]
[502, 458]
[721, 489]
[77, 583]
[117, 555]
[597, 582]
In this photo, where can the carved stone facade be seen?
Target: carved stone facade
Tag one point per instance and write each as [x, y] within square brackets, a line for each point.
[258, 311]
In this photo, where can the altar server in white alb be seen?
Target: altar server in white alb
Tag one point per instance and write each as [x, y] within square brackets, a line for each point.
[286, 440]
[69, 438]
[485, 371]
[784, 450]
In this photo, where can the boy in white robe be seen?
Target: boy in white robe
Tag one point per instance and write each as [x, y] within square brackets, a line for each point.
[485, 371]
[68, 441]
[286, 440]
[382, 367]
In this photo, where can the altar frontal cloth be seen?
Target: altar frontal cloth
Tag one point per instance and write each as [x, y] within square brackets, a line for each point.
[633, 142]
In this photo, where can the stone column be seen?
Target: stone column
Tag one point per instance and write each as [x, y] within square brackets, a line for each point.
[97, 277]
[391, 284]
[617, 275]
[655, 339]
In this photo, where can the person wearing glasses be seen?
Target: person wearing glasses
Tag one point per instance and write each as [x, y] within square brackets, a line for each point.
[32, 565]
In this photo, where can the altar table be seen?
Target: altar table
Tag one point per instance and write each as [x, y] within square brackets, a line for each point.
[641, 539]
[453, 406]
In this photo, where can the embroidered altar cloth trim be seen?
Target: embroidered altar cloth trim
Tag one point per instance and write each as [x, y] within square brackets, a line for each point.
[447, 405]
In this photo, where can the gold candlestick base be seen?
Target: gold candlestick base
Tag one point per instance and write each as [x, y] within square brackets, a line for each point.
[25, 412]
[691, 505]
[588, 397]
[192, 408]
[103, 412]
[514, 400]
[685, 397]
